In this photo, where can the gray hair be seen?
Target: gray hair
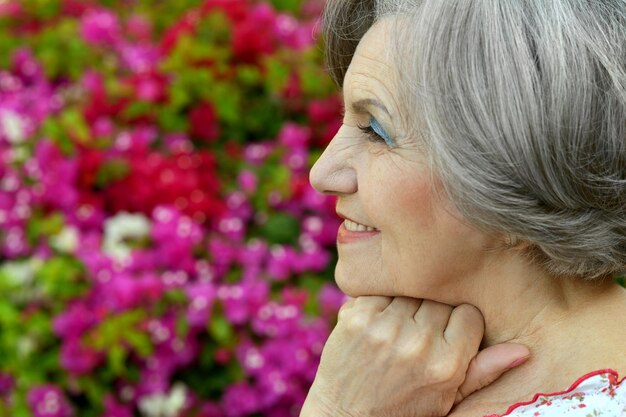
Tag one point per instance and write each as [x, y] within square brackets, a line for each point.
[521, 105]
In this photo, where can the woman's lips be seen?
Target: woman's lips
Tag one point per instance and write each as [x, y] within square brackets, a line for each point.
[347, 236]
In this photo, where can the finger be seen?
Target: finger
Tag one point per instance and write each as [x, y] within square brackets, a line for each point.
[403, 307]
[465, 328]
[433, 315]
[489, 364]
[372, 303]
[345, 308]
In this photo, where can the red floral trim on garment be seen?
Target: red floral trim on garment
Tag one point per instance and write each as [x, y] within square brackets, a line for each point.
[612, 375]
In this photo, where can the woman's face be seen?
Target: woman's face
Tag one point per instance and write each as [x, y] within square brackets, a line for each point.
[419, 247]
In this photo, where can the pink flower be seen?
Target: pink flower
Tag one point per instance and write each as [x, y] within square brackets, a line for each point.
[247, 181]
[100, 27]
[48, 401]
[76, 358]
[112, 408]
[140, 58]
[241, 400]
[330, 300]
[201, 297]
[74, 321]
[139, 28]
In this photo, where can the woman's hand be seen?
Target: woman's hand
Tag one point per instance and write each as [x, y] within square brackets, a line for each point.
[404, 357]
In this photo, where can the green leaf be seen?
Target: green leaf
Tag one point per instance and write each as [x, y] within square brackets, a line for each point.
[116, 359]
[52, 129]
[140, 342]
[45, 227]
[287, 5]
[221, 330]
[277, 75]
[60, 278]
[281, 228]
[249, 75]
[111, 171]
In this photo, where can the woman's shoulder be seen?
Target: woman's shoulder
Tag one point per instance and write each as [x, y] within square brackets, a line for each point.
[599, 393]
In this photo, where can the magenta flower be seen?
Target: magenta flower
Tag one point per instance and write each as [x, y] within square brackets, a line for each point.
[242, 301]
[112, 408]
[241, 400]
[48, 401]
[330, 300]
[275, 320]
[247, 181]
[100, 27]
[210, 409]
[7, 382]
[76, 358]
[201, 296]
[281, 262]
[293, 135]
[74, 321]
[139, 27]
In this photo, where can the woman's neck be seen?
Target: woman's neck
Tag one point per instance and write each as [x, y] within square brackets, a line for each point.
[571, 327]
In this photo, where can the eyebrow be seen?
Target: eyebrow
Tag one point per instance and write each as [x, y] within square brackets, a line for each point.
[361, 105]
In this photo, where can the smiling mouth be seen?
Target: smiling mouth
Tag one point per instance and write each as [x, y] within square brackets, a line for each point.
[356, 227]
[350, 232]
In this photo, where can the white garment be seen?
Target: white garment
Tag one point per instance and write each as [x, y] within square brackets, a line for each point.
[597, 394]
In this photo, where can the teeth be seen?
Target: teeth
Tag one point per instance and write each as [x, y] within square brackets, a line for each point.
[356, 227]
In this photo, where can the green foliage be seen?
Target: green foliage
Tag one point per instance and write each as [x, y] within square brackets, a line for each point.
[120, 334]
[61, 52]
[61, 279]
[280, 228]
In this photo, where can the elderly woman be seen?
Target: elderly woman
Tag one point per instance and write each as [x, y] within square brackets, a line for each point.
[481, 173]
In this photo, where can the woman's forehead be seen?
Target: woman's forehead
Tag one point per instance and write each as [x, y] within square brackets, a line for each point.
[371, 68]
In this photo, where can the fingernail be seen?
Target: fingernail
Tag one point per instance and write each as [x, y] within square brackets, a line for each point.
[518, 362]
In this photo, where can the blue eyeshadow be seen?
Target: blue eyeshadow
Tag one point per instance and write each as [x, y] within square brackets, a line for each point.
[376, 127]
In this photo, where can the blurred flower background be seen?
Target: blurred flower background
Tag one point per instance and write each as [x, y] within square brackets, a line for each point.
[163, 253]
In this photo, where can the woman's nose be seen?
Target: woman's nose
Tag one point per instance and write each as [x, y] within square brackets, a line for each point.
[333, 172]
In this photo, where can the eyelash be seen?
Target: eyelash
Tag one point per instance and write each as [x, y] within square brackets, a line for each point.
[371, 134]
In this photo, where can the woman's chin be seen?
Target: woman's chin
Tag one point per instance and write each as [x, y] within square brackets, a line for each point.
[357, 287]
[350, 286]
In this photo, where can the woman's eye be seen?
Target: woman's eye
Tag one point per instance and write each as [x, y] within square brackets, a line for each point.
[376, 133]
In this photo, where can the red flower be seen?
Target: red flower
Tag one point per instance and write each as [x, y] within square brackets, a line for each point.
[149, 86]
[235, 10]
[325, 114]
[89, 163]
[186, 180]
[75, 8]
[98, 104]
[203, 123]
[185, 26]
[325, 110]
[254, 36]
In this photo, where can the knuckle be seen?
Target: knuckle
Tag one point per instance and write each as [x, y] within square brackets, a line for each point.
[411, 352]
[355, 322]
[470, 314]
[445, 371]
[346, 310]
[381, 335]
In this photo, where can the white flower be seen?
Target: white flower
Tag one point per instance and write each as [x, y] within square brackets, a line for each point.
[13, 126]
[120, 228]
[66, 241]
[20, 273]
[20, 276]
[164, 405]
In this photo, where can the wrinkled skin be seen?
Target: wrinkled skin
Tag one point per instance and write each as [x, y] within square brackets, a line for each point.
[401, 356]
